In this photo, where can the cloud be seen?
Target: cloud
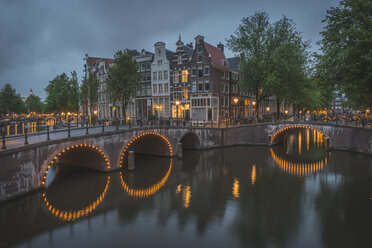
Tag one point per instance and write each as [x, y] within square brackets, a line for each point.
[41, 39]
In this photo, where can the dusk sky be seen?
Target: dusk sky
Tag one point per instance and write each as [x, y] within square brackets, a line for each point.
[43, 38]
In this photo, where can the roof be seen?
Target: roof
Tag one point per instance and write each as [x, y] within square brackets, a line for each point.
[188, 50]
[92, 60]
[233, 63]
[216, 54]
[169, 54]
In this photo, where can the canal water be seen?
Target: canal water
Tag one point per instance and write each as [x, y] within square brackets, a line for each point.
[295, 194]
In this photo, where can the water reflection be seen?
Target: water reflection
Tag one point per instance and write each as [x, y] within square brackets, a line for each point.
[233, 197]
[72, 203]
[150, 190]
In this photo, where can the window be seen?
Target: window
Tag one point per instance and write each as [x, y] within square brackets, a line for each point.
[200, 72]
[199, 49]
[143, 66]
[155, 89]
[206, 70]
[165, 88]
[180, 59]
[223, 74]
[154, 76]
[200, 59]
[193, 89]
[160, 88]
[206, 86]
[200, 86]
[160, 76]
[148, 76]
[165, 75]
[148, 66]
[227, 75]
[175, 77]
[193, 71]
[226, 88]
[185, 93]
[222, 88]
[160, 62]
[185, 75]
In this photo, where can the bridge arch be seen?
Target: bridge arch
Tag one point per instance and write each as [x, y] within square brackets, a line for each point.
[190, 140]
[276, 135]
[156, 144]
[145, 192]
[70, 151]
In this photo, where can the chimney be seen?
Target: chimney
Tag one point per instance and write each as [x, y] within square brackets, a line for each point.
[220, 46]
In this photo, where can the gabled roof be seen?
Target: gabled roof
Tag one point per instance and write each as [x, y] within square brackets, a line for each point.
[188, 50]
[92, 60]
[216, 54]
[169, 54]
[233, 63]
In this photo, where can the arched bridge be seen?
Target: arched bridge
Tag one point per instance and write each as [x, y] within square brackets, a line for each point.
[25, 168]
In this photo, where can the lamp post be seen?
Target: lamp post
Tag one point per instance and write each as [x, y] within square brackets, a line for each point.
[177, 103]
[236, 100]
[268, 110]
[95, 113]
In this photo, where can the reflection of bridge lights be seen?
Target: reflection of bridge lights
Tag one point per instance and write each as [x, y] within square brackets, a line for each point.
[236, 188]
[186, 196]
[74, 215]
[284, 129]
[140, 136]
[143, 193]
[298, 169]
[179, 188]
[253, 175]
[55, 159]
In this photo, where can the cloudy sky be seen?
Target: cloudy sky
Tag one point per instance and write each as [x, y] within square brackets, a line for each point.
[43, 38]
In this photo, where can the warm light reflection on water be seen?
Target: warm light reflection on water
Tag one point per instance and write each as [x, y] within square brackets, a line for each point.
[253, 175]
[235, 188]
[186, 196]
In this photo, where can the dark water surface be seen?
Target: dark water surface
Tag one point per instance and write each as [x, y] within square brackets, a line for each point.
[293, 195]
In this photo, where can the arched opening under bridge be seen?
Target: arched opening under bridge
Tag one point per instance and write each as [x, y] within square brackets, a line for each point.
[190, 141]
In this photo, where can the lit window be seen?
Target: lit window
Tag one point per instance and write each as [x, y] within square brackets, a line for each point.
[185, 93]
[185, 75]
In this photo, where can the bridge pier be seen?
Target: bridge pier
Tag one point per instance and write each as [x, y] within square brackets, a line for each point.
[131, 165]
[327, 143]
[179, 150]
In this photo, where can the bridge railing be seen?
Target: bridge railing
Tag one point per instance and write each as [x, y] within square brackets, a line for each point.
[82, 128]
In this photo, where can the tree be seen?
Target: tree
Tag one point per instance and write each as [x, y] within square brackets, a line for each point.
[34, 104]
[250, 41]
[123, 79]
[89, 91]
[346, 45]
[10, 101]
[63, 94]
[287, 63]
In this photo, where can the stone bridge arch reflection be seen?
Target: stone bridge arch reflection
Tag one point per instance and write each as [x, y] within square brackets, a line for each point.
[72, 213]
[144, 192]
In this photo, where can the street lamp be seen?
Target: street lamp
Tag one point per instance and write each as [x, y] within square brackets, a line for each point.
[177, 103]
[236, 100]
[267, 109]
[286, 112]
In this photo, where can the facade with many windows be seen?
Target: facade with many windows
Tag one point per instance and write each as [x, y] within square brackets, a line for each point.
[160, 70]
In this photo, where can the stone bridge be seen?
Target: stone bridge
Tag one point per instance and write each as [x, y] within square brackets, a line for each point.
[25, 168]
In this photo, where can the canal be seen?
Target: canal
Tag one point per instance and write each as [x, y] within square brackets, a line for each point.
[295, 194]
